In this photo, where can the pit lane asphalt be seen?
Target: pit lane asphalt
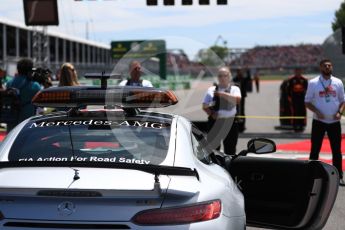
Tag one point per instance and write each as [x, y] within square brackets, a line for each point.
[264, 104]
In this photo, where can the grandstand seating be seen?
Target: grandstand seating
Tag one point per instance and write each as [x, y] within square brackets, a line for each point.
[274, 57]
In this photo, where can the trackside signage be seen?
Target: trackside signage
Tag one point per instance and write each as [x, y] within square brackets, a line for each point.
[128, 123]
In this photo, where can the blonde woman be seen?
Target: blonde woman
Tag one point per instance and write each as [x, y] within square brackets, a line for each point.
[68, 75]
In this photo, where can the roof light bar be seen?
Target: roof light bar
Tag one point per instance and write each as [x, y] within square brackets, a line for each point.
[126, 97]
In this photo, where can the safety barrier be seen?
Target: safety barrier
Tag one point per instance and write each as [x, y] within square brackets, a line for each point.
[172, 82]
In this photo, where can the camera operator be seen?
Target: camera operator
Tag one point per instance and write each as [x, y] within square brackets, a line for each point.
[42, 76]
[27, 89]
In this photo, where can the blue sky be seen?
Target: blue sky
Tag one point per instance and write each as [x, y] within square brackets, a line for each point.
[242, 23]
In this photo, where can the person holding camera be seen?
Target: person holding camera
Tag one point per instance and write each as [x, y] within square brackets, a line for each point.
[135, 76]
[27, 89]
[43, 77]
[220, 104]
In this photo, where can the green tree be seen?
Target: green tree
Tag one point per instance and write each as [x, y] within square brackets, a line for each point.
[220, 51]
[339, 19]
[212, 56]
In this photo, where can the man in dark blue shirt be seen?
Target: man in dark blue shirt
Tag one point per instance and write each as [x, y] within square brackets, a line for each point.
[27, 89]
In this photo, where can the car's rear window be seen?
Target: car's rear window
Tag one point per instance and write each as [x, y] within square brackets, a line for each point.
[119, 141]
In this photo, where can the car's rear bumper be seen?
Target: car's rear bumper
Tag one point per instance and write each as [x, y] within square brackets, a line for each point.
[221, 223]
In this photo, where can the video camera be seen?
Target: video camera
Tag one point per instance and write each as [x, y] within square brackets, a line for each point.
[41, 75]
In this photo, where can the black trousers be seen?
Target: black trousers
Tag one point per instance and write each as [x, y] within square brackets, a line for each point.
[298, 109]
[257, 85]
[334, 134]
[241, 122]
[223, 129]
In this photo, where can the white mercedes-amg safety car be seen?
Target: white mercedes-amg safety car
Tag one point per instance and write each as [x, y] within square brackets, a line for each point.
[125, 168]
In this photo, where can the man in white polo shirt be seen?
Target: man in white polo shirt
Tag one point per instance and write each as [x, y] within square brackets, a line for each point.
[135, 76]
[220, 105]
[325, 98]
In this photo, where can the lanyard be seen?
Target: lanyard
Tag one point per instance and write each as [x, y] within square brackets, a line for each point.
[324, 87]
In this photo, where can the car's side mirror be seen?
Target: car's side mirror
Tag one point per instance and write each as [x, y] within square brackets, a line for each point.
[259, 146]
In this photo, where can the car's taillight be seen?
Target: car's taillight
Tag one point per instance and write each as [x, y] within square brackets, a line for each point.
[179, 215]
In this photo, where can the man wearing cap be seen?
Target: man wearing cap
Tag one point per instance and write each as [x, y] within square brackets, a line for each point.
[220, 105]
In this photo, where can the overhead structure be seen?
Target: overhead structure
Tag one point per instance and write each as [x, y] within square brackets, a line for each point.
[40, 46]
[185, 2]
[204, 2]
[41, 13]
[169, 2]
[152, 2]
[220, 38]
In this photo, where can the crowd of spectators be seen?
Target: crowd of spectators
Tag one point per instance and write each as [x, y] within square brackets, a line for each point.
[177, 60]
[271, 57]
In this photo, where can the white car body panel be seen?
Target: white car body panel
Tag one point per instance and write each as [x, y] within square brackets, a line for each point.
[114, 184]
[211, 176]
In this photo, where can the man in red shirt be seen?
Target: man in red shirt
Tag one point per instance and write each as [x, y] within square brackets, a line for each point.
[296, 89]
